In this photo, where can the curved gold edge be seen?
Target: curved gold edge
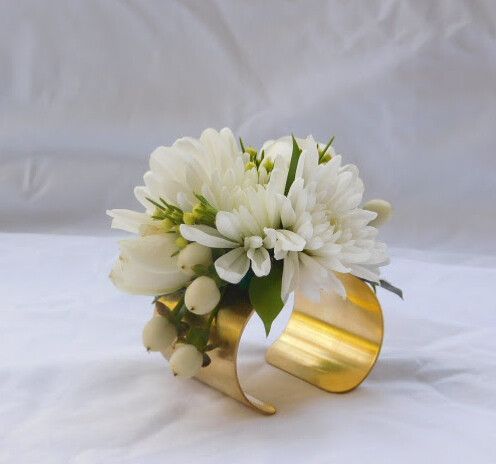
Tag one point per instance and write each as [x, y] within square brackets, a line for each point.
[222, 372]
[333, 344]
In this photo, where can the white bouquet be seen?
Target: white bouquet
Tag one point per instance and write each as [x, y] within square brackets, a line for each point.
[285, 218]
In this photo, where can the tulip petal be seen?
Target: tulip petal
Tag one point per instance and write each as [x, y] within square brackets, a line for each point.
[128, 220]
[133, 278]
[152, 252]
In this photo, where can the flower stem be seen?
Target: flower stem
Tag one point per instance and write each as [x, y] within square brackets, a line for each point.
[176, 313]
[215, 311]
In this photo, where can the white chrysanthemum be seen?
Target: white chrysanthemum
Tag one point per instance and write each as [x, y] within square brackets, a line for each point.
[279, 152]
[283, 147]
[212, 166]
[322, 207]
[243, 231]
[317, 228]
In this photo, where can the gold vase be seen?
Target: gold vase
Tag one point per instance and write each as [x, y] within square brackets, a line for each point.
[332, 344]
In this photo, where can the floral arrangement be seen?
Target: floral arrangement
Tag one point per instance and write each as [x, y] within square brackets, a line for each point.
[285, 218]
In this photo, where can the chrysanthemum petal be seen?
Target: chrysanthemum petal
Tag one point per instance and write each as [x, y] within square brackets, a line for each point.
[205, 235]
[290, 274]
[288, 215]
[233, 266]
[260, 261]
[229, 226]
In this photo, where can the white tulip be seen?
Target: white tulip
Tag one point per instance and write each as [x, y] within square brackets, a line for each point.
[186, 361]
[202, 295]
[146, 267]
[158, 334]
[192, 255]
[130, 221]
[383, 209]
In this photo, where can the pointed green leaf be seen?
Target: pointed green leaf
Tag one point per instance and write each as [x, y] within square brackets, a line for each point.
[295, 156]
[242, 145]
[385, 285]
[328, 145]
[244, 283]
[388, 286]
[265, 296]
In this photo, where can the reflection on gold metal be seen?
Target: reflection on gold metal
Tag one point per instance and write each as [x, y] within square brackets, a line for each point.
[333, 344]
[222, 373]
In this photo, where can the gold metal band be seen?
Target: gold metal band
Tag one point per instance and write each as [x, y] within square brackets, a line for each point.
[332, 344]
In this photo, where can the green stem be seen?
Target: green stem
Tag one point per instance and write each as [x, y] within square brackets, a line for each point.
[212, 316]
[176, 312]
[215, 311]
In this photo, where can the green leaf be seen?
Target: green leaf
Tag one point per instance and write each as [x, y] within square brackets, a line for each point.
[178, 312]
[242, 145]
[386, 286]
[198, 336]
[295, 156]
[244, 283]
[265, 296]
[327, 146]
[201, 269]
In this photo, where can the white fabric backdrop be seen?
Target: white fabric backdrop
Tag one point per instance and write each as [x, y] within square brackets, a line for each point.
[88, 89]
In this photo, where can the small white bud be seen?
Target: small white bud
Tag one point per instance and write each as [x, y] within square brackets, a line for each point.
[158, 334]
[202, 295]
[186, 360]
[383, 209]
[191, 255]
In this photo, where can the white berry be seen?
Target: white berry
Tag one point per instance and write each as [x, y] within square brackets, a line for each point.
[383, 209]
[192, 255]
[202, 295]
[186, 360]
[158, 334]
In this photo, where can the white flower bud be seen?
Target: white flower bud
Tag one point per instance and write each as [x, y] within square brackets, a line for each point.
[186, 360]
[202, 295]
[382, 208]
[158, 334]
[192, 255]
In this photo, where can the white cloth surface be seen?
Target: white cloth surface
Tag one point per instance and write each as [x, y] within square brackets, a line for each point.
[89, 88]
[76, 385]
